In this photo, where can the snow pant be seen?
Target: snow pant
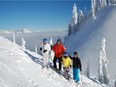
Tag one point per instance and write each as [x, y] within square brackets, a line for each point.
[67, 72]
[59, 61]
[76, 74]
[45, 60]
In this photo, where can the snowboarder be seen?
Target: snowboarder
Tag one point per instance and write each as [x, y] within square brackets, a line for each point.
[66, 61]
[45, 50]
[77, 67]
[58, 50]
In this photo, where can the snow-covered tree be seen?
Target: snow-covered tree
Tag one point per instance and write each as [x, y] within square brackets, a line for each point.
[88, 70]
[112, 1]
[74, 20]
[69, 29]
[23, 43]
[93, 4]
[104, 3]
[81, 16]
[109, 3]
[103, 71]
[51, 42]
[14, 41]
[85, 13]
[98, 6]
[36, 50]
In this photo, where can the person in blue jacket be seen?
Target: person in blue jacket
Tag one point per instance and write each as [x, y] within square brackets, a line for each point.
[77, 67]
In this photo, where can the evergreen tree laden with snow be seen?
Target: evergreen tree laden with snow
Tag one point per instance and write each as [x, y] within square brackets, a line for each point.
[81, 16]
[103, 3]
[88, 70]
[36, 50]
[74, 21]
[98, 6]
[51, 42]
[93, 4]
[103, 71]
[14, 41]
[69, 29]
[23, 43]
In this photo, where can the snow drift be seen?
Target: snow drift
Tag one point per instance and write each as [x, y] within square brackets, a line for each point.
[87, 41]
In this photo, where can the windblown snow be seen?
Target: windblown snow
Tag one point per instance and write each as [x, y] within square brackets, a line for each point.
[87, 41]
[22, 68]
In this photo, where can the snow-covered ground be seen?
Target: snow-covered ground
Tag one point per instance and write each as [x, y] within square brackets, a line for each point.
[22, 68]
[87, 41]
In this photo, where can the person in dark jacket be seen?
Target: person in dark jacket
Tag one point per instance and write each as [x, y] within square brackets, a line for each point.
[77, 67]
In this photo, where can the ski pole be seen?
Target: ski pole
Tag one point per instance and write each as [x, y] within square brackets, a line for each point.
[82, 80]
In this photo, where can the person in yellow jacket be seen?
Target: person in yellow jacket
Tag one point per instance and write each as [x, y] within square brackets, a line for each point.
[66, 61]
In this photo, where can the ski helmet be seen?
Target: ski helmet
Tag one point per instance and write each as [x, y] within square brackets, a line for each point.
[65, 54]
[45, 40]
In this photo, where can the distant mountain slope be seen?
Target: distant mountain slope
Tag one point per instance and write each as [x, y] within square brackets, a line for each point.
[87, 41]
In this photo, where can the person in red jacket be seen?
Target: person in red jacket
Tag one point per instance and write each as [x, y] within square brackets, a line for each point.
[58, 50]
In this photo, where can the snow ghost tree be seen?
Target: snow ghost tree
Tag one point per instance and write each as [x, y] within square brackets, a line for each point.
[23, 43]
[36, 50]
[51, 42]
[112, 1]
[103, 3]
[93, 4]
[14, 38]
[109, 3]
[103, 71]
[88, 70]
[81, 16]
[74, 20]
[98, 5]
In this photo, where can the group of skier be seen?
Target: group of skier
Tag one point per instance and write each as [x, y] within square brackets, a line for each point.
[60, 56]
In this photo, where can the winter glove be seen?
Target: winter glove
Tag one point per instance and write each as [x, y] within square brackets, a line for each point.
[45, 51]
[41, 49]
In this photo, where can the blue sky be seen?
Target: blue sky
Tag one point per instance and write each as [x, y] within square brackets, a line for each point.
[38, 15]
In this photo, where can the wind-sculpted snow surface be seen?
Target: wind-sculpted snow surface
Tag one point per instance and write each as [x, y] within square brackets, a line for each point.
[87, 41]
[22, 68]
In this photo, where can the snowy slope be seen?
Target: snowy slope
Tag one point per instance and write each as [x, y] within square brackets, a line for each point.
[20, 68]
[87, 41]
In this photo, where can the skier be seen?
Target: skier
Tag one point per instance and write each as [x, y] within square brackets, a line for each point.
[58, 50]
[45, 50]
[77, 67]
[66, 61]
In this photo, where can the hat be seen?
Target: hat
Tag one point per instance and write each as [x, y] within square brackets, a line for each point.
[65, 54]
[45, 40]
[75, 53]
[59, 40]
